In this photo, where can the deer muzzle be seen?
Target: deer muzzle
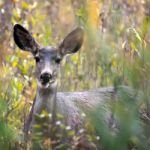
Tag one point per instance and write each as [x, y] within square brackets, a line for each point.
[45, 78]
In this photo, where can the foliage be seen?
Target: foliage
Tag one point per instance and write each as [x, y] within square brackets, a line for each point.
[55, 134]
[117, 36]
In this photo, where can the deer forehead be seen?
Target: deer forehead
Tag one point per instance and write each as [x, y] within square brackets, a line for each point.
[47, 52]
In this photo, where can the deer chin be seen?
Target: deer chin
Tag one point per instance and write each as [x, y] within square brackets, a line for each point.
[46, 85]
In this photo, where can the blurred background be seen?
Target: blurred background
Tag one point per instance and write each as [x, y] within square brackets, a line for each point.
[116, 51]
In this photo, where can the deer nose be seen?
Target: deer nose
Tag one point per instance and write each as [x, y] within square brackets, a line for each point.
[45, 77]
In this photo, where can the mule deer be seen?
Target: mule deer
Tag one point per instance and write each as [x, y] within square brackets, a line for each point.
[69, 104]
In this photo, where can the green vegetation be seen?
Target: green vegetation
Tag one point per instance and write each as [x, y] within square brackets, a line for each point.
[116, 52]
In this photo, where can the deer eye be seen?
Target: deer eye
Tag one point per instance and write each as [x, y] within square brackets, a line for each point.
[57, 60]
[37, 59]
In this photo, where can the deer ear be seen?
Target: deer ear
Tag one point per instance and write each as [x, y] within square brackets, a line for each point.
[24, 39]
[72, 42]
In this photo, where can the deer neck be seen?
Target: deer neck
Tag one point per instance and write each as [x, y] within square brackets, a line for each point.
[45, 100]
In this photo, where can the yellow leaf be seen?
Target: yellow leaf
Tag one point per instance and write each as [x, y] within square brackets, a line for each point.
[25, 5]
[14, 64]
[74, 58]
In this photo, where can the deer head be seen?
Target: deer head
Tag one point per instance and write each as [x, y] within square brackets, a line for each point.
[48, 58]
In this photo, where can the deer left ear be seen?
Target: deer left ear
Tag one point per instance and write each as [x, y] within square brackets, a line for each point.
[72, 42]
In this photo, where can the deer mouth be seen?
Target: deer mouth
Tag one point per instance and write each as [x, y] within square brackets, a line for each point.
[47, 81]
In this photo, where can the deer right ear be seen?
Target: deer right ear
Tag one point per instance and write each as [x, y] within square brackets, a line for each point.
[24, 39]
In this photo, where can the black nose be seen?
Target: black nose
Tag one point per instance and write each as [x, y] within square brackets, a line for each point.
[45, 77]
